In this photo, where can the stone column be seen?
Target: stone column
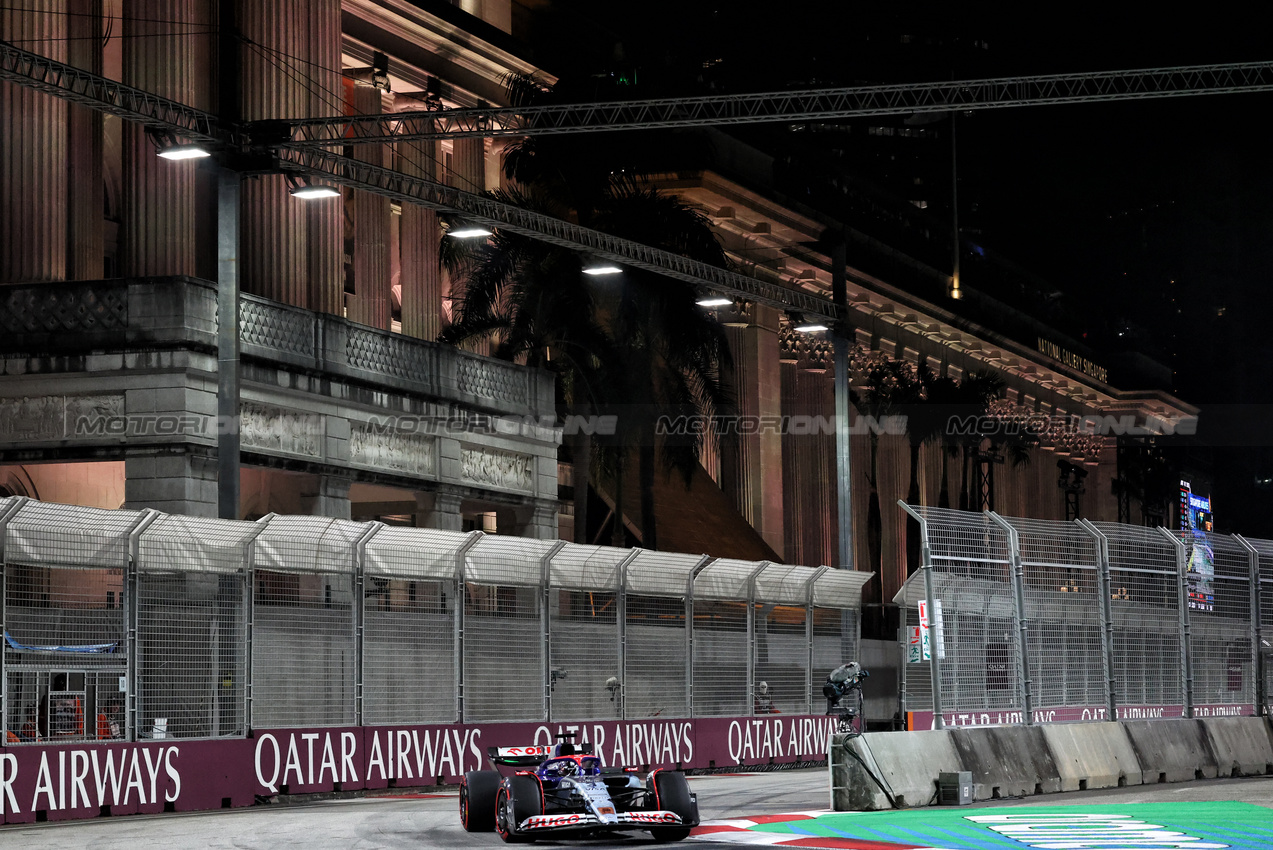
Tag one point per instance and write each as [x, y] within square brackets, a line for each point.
[327, 495]
[752, 470]
[274, 247]
[468, 174]
[439, 509]
[370, 302]
[174, 483]
[33, 162]
[809, 495]
[537, 520]
[157, 235]
[325, 218]
[468, 161]
[85, 191]
[419, 234]
[793, 450]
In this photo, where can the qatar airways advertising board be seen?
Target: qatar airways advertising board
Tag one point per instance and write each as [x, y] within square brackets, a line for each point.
[85, 780]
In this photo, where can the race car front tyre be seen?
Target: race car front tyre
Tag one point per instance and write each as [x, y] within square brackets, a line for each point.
[526, 802]
[477, 800]
[672, 793]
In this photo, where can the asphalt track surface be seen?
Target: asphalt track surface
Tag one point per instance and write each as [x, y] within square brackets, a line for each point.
[736, 809]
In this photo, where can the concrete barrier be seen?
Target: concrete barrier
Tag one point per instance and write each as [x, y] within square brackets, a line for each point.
[1092, 755]
[907, 762]
[1173, 750]
[1241, 745]
[1007, 761]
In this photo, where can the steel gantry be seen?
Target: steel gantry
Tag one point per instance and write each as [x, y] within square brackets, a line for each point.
[297, 145]
[105, 95]
[769, 107]
[480, 209]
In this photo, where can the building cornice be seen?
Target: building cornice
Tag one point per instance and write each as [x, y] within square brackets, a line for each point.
[877, 309]
[431, 46]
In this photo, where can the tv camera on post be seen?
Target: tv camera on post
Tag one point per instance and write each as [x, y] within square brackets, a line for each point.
[843, 691]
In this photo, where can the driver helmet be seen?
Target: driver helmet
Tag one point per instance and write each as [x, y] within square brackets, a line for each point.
[565, 767]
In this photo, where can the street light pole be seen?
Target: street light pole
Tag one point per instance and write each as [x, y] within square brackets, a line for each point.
[228, 189]
[843, 456]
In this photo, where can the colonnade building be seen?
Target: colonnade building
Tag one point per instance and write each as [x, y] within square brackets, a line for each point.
[108, 312]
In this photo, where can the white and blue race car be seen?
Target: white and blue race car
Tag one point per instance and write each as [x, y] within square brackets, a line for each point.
[562, 791]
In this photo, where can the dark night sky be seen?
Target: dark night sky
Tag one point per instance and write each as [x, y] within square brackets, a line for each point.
[1160, 211]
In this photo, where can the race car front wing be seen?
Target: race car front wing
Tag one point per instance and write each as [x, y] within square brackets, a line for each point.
[576, 820]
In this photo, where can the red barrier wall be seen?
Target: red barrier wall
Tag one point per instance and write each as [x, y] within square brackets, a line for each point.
[85, 780]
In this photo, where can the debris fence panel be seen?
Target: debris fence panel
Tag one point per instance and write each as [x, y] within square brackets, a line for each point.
[1062, 588]
[583, 654]
[190, 679]
[133, 625]
[836, 640]
[720, 659]
[1222, 633]
[64, 651]
[655, 681]
[503, 653]
[782, 660]
[303, 650]
[408, 651]
[1144, 583]
[1159, 610]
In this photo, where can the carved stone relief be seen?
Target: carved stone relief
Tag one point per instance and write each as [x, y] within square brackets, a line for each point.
[383, 448]
[288, 431]
[498, 469]
[37, 418]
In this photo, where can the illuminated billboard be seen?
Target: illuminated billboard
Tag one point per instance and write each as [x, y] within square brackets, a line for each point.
[1195, 524]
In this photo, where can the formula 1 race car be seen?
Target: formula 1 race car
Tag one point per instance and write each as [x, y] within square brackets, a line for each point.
[562, 791]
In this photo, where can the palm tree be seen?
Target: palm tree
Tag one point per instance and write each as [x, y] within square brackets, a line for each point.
[531, 298]
[636, 347]
[889, 387]
[668, 353]
[927, 420]
[980, 391]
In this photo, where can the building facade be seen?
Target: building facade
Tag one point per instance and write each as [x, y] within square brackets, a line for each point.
[108, 389]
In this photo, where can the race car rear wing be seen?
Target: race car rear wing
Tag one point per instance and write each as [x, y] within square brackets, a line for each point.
[530, 756]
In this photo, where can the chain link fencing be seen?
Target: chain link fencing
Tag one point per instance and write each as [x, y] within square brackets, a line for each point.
[1041, 621]
[136, 624]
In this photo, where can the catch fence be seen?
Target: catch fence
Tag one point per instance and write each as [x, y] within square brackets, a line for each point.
[1022, 620]
[130, 625]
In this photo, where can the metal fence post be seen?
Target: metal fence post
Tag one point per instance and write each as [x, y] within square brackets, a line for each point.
[1104, 588]
[1182, 594]
[689, 631]
[1257, 628]
[460, 595]
[246, 598]
[621, 603]
[545, 571]
[808, 632]
[1023, 624]
[250, 601]
[360, 615]
[130, 619]
[4, 603]
[926, 564]
[751, 634]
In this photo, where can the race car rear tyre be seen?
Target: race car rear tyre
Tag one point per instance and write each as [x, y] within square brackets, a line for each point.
[526, 802]
[477, 800]
[672, 793]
